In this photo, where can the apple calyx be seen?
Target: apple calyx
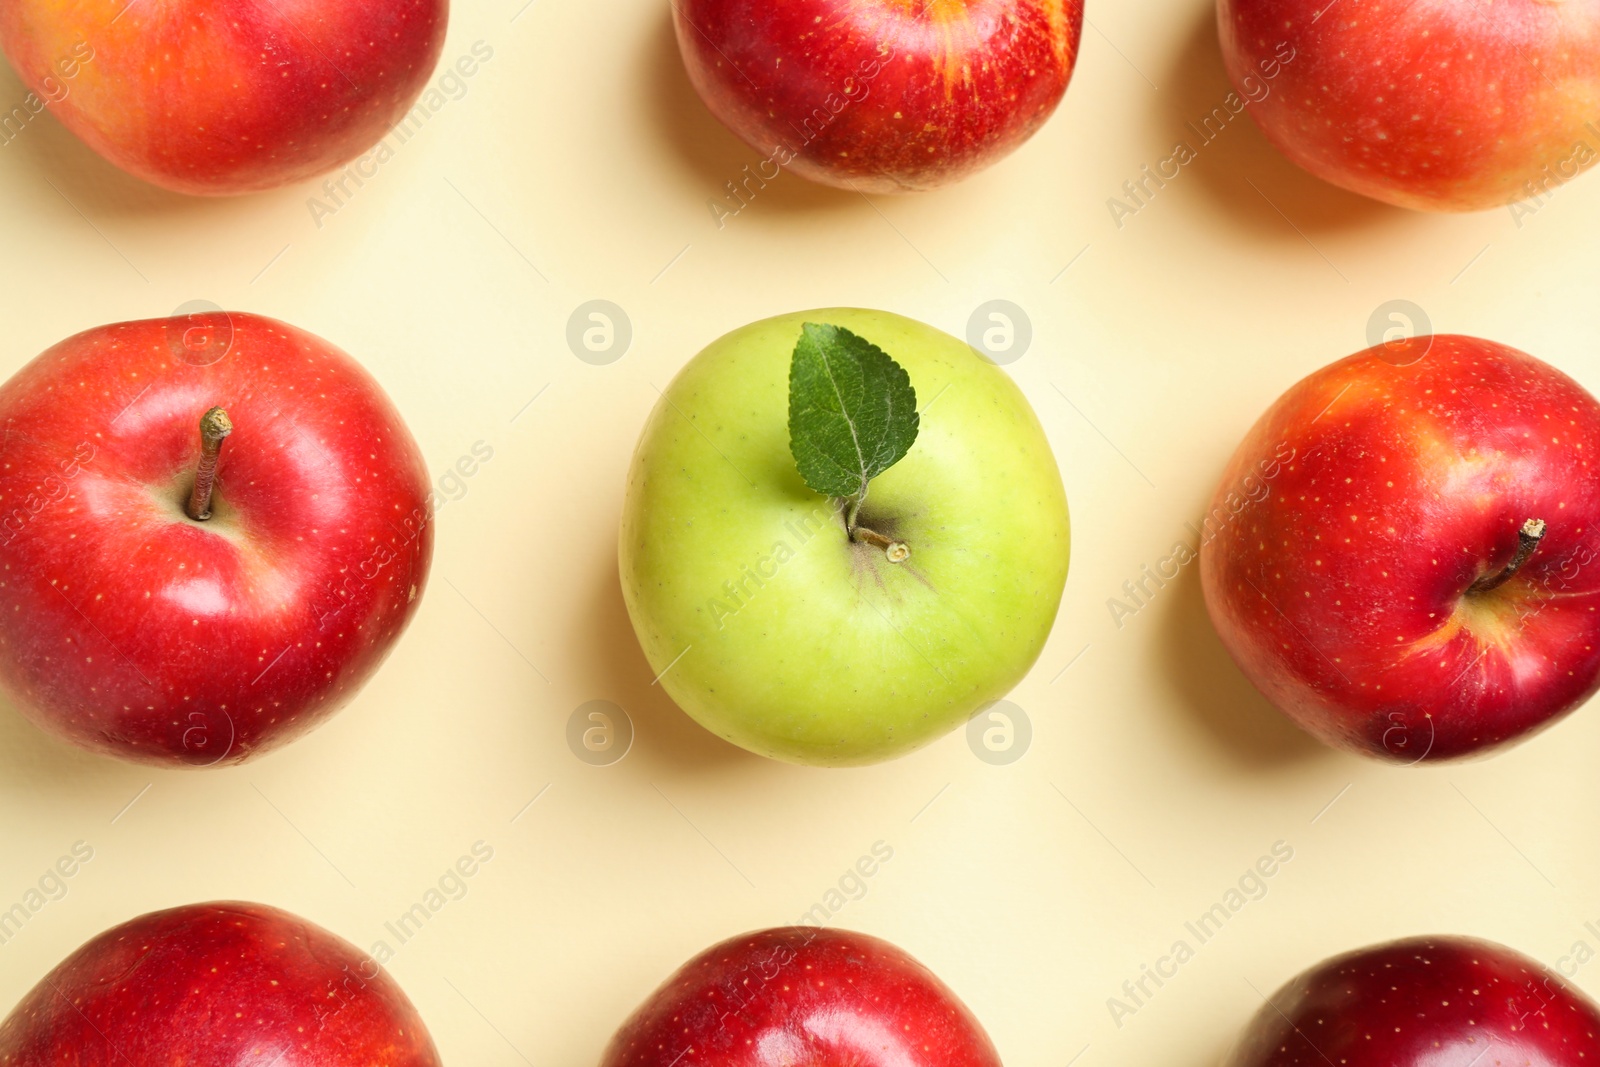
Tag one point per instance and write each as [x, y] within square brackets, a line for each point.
[896, 551]
[1528, 538]
[215, 426]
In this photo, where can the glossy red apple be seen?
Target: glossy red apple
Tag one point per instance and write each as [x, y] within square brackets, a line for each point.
[1439, 105]
[1404, 553]
[226, 983]
[218, 97]
[133, 629]
[878, 95]
[1424, 1002]
[802, 995]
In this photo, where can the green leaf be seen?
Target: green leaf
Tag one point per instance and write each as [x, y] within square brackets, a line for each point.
[852, 411]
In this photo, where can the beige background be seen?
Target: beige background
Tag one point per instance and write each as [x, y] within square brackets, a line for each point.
[577, 165]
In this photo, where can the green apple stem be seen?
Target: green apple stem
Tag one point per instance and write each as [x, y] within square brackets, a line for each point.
[214, 429]
[896, 551]
[1528, 539]
[855, 509]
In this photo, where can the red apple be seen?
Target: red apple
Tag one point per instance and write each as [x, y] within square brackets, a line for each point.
[1424, 1002]
[134, 629]
[878, 95]
[237, 984]
[1404, 553]
[1438, 106]
[802, 995]
[219, 97]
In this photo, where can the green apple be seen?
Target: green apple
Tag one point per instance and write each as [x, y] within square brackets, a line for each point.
[775, 627]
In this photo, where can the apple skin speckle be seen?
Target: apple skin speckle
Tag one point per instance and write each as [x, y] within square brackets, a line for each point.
[220, 983]
[801, 995]
[1424, 1002]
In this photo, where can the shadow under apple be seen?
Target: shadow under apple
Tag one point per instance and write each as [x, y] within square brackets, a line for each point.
[1240, 154]
[1219, 1050]
[706, 148]
[34, 764]
[663, 732]
[1214, 693]
[90, 183]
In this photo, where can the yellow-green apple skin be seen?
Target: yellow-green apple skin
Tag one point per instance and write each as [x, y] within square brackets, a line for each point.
[775, 630]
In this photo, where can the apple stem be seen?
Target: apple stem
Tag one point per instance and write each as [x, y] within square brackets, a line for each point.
[1528, 539]
[897, 551]
[214, 429]
[855, 509]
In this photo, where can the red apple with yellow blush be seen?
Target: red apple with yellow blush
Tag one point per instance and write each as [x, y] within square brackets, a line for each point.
[221, 97]
[879, 95]
[1439, 105]
[1404, 553]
